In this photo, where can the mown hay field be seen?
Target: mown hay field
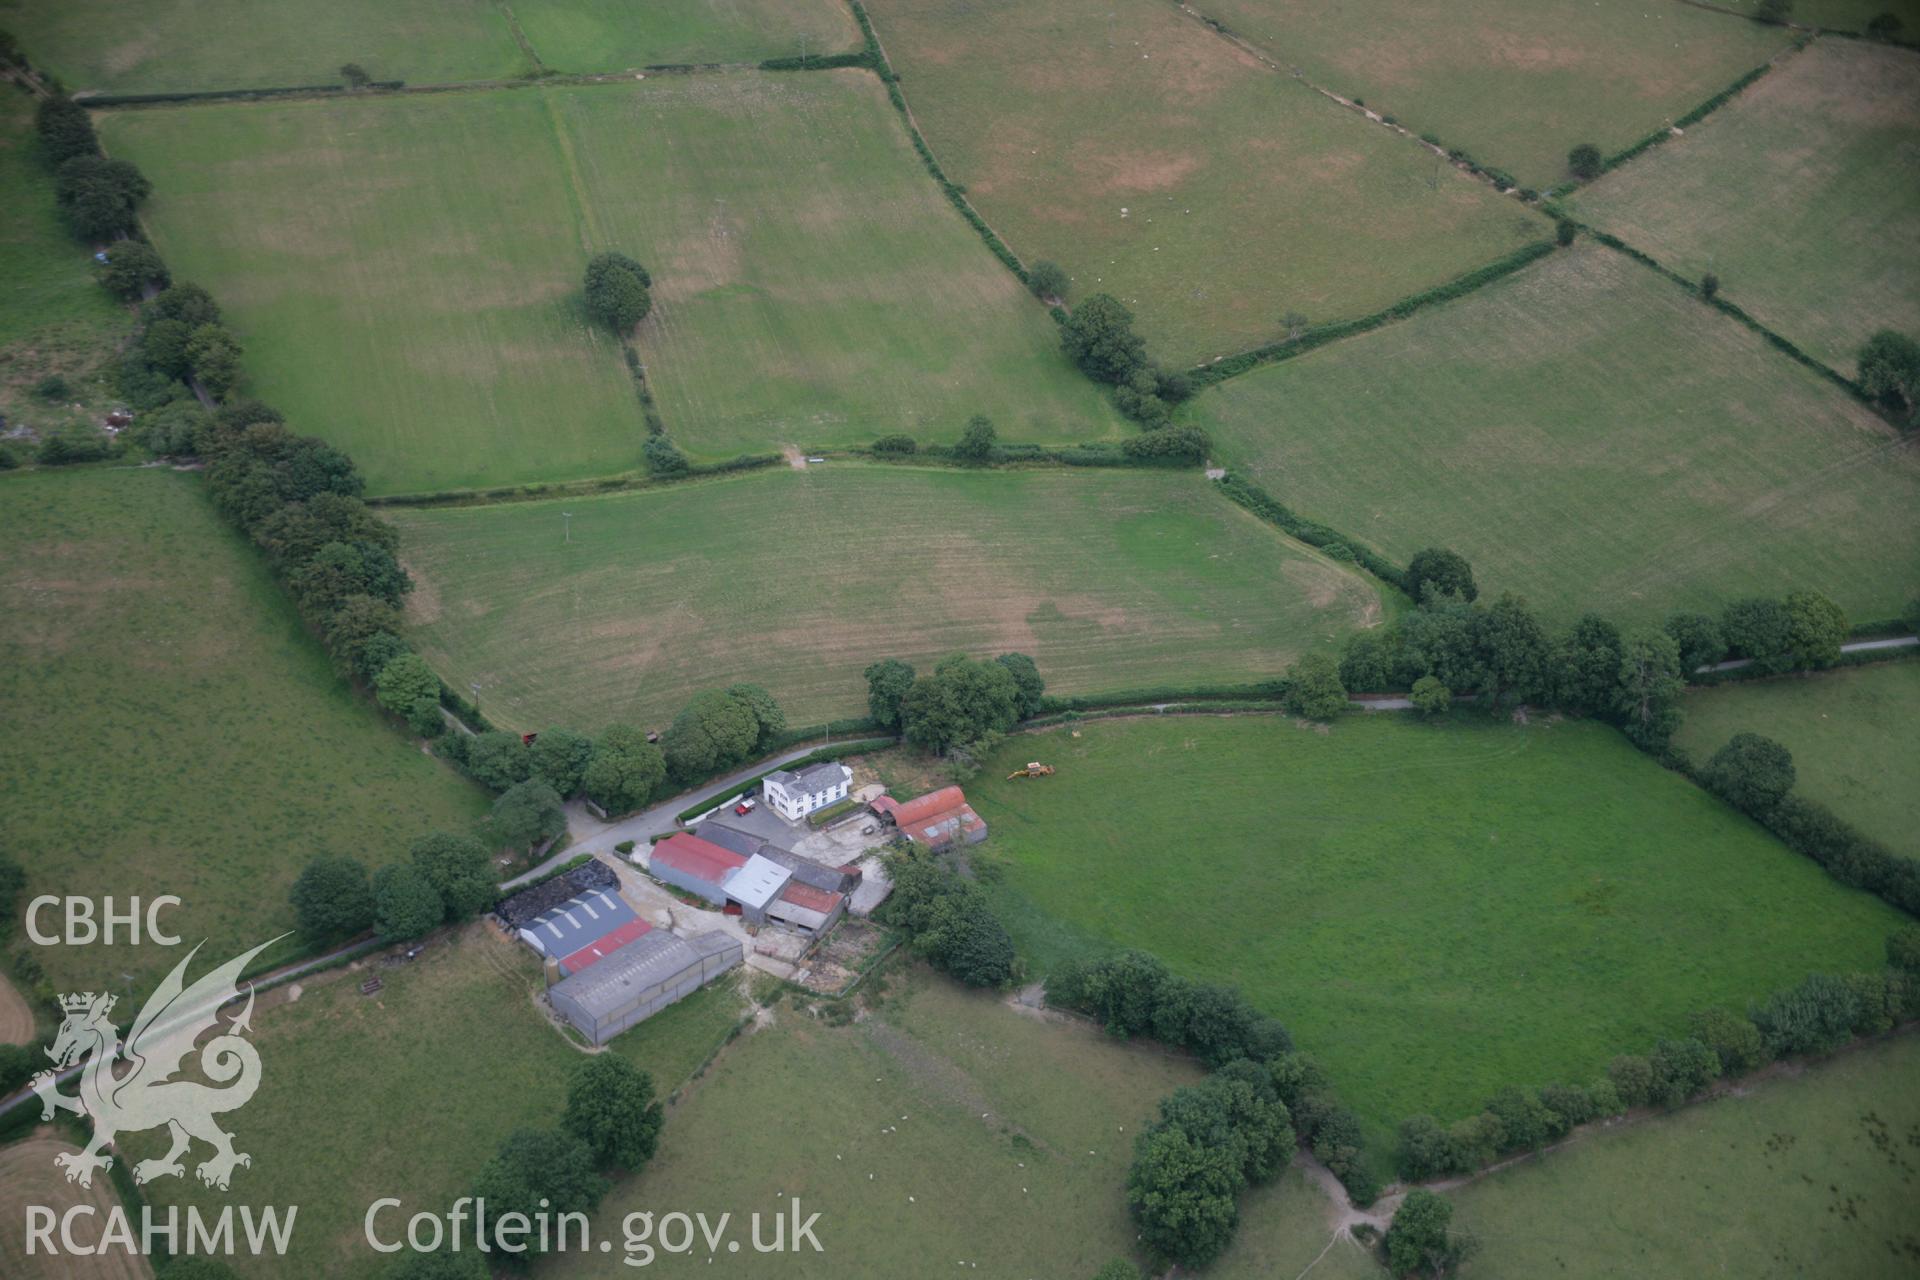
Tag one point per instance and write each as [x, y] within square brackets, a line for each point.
[183, 46]
[175, 46]
[1800, 196]
[1516, 83]
[811, 285]
[1590, 436]
[1157, 162]
[1435, 910]
[29, 1178]
[406, 295]
[945, 1132]
[609, 35]
[799, 581]
[191, 737]
[1850, 732]
[1806, 1173]
[400, 290]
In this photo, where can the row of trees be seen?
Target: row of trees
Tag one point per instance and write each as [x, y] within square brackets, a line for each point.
[1212, 1141]
[1756, 775]
[947, 919]
[446, 878]
[961, 708]
[1454, 644]
[1818, 1015]
[1165, 445]
[1890, 373]
[1182, 1187]
[97, 198]
[620, 770]
[1099, 338]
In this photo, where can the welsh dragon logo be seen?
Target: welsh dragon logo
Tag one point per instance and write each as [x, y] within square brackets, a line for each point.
[125, 1088]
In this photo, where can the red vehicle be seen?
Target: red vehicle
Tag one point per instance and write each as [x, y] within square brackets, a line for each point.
[745, 806]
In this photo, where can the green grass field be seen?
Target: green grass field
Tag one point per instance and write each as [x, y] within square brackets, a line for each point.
[1587, 434]
[1850, 733]
[400, 291]
[1799, 196]
[342, 1074]
[1158, 163]
[57, 320]
[811, 285]
[1517, 83]
[385, 237]
[948, 1129]
[607, 35]
[188, 736]
[173, 46]
[1434, 910]
[1810, 1175]
[48, 273]
[799, 581]
[1843, 15]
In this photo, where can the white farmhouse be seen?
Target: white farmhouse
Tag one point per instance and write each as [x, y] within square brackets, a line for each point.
[795, 795]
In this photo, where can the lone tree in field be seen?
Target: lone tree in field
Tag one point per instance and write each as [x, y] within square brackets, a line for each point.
[355, 75]
[65, 130]
[1181, 1194]
[963, 701]
[1890, 372]
[332, 899]
[525, 814]
[617, 291]
[1099, 337]
[611, 1108]
[558, 757]
[1418, 1242]
[213, 353]
[97, 197]
[1584, 162]
[1430, 697]
[131, 266]
[1047, 280]
[887, 683]
[1026, 677]
[976, 439]
[1751, 773]
[715, 730]
[1314, 689]
[408, 688]
[767, 715]
[405, 902]
[540, 1171]
[1447, 573]
[624, 771]
[1816, 628]
[458, 868]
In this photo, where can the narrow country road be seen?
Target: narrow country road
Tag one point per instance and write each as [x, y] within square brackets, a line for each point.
[1857, 646]
[590, 835]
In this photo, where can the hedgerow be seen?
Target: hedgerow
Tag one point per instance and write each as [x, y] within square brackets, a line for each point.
[1320, 335]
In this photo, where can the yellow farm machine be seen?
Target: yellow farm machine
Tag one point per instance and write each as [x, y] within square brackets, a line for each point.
[1034, 769]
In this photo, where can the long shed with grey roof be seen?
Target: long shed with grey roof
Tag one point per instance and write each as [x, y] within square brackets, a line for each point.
[642, 978]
